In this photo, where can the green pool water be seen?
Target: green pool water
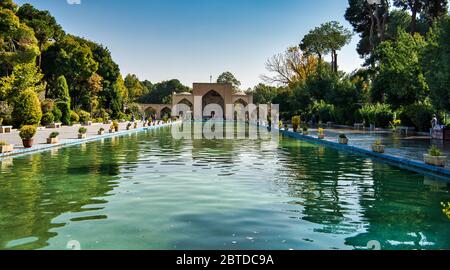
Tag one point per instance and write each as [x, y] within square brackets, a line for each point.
[150, 191]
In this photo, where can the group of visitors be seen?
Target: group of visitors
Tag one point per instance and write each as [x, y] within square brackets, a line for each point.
[151, 118]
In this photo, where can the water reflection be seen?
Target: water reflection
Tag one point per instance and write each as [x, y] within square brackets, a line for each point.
[149, 190]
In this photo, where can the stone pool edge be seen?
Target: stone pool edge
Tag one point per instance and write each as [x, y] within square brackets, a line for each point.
[73, 142]
[401, 162]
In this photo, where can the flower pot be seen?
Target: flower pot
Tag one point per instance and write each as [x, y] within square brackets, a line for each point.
[101, 132]
[52, 140]
[112, 131]
[295, 128]
[6, 148]
[116, 129]
[321, 136]
[438, 161]
[378, 148]
[27, 143]
[343, 140]
[81, 136]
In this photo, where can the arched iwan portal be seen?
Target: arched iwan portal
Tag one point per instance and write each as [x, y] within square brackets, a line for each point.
[182, 108]
[166, 112]
[213, 105]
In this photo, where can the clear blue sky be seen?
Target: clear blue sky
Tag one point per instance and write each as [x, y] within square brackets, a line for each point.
[193, 39]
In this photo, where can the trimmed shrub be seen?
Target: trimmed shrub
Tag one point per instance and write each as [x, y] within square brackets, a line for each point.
[53, 135]
[378, 114]
[57, 114]
[325, 112]
[121, 116]
[65, 113]
[27, 109]
[74, 118]
[82, 130]
[84, 116]
[27, 132]
[418, 115]
[47, 118]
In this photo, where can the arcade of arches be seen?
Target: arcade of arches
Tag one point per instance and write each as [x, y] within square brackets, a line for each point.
[207, 100]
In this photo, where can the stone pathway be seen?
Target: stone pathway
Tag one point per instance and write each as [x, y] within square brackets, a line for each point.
[65, 133]
[411, 147]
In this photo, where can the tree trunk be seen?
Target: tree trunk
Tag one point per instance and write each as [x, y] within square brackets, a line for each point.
[372, 28]
[335, 62]
[413, 21]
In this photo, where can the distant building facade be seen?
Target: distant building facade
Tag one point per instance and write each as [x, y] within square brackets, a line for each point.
[207, 100]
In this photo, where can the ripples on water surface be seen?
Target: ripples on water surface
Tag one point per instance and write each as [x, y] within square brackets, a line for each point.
[149, 191]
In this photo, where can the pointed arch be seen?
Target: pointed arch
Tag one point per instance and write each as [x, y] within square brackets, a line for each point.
[210, 100]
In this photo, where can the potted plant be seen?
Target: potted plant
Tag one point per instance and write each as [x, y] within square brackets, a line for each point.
[296, 122]
[135, 125]
[101, 131]
[112, 129]
[321, 133]
[343, 139]
[82, 133]
[435, 157]
[116, 125]
[305, 131]
[378, 147]
[280, 124]
[53, 138]
[128, 126]
[27, 133]
[5, 147]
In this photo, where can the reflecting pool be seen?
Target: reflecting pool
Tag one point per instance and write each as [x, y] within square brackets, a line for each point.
[151, 191]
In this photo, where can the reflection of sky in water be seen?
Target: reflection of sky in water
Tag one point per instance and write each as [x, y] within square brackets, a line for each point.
[149, 191]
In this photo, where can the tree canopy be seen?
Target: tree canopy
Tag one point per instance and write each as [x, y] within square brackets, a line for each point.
[228, 77]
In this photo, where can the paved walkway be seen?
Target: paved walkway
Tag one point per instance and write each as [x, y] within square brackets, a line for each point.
[65, 133]
[411, 147]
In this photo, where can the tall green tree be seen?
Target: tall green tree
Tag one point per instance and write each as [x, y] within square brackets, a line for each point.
[313, 43]
[415, 7]
[400, 78]
[74, 61]
[436, 64]
[263, 94]
[61, 94]
[162, 92]
[134, 87]
[43, 23]
[23, 77]
[369, 19]
[228, 77]
[61, 90]
[8, 4]
[435, 9]
[18, 45]
[335, 37]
